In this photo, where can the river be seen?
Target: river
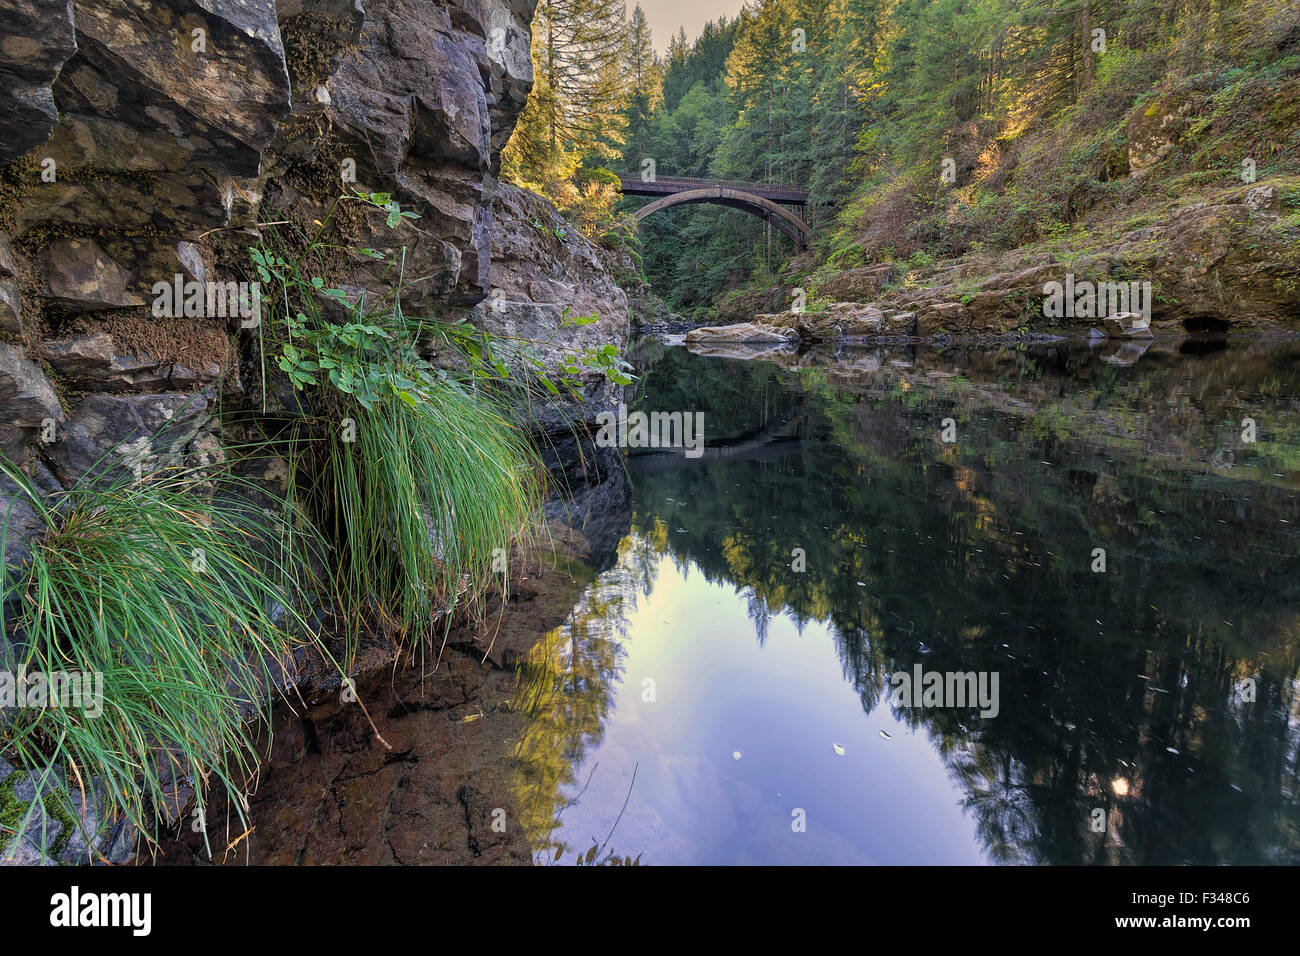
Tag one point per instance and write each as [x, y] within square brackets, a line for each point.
[728, 702]
[1107, 539]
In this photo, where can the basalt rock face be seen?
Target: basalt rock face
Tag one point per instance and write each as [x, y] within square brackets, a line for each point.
[139, 134]
[144, 141]
[38, 38]
[544, 272]
[423, 99]
[168, 118]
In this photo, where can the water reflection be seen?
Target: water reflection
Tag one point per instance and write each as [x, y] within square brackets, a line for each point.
[1123, 691]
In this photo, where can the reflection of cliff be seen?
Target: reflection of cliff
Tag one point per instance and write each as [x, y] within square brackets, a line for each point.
[976, 556]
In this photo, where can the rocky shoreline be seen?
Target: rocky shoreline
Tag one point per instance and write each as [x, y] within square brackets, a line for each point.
[1228, 263]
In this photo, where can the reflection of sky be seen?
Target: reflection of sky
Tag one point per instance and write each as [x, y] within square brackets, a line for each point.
[782, 706]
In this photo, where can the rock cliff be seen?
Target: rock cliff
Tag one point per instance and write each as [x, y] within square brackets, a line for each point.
[146, 140]
[149, 141]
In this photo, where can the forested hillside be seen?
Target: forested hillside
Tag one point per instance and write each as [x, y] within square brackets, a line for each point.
[925, 129]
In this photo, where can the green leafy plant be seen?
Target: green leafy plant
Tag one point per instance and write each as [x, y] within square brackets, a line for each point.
[419, 492]
[416, 474]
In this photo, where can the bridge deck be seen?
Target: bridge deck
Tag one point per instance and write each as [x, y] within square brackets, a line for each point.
[668, 185]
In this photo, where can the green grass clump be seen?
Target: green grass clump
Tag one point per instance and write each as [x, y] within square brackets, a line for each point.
[416, 473]
[408, 484]
[421, 498]
[168, 593]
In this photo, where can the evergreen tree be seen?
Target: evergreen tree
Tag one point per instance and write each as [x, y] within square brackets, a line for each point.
[576, 106]
[643, 73]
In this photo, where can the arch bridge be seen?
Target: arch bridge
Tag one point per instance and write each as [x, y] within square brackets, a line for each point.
[765, 200]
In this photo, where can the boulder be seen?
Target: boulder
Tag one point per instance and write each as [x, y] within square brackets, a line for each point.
[37, 785]
[858, 285]
[1154, 129]
[82, 277]
[1131, 324]
[26, 394]
[159, 108]
[757, 333]
[89, 823]
[900, 323]
[424, 109]
[805, 325]
[133, 433]
[91, 361]
[38, 39]
[20, 522]
[856, 321]
[939, 317]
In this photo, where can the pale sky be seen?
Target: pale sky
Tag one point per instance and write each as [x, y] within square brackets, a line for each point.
[665, 16]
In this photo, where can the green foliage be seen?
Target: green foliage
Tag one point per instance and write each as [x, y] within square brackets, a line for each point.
[407, 483]
[415, 474]
[575, 116]
[1033, 115]
[180, 599]
[417, 491]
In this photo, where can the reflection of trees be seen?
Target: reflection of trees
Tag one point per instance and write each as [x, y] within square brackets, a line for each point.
[975, 556]
[565, 686]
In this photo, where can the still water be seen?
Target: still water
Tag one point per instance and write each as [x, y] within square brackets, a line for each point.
[1100, 532]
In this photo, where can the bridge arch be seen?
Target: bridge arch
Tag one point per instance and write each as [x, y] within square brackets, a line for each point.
[779, 216]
